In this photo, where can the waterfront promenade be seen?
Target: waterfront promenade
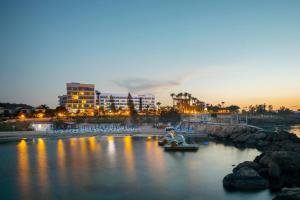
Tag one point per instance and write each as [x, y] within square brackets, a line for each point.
[143, 131]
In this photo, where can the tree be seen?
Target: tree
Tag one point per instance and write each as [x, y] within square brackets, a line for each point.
[132, 111]
[270, 109]
[173, 95]
[171, 116]
[284, 111]
[261, 109]
[141, 104]
[158, 106]
[223, 103]
[130, 103]
[112, 104]
[50, 112]
[233, 108]
[61, 109]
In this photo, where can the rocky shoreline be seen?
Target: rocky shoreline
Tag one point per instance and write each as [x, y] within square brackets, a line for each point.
[277, 167]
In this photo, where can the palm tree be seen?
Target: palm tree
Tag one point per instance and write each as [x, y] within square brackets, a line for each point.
[158, 106]
[179, 98]
[185, 95]
[190, 98]
[173, 95]
[223, 103]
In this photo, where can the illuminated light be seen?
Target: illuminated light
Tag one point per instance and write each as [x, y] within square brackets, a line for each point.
[61, 114]
[110, 138]
[40, 115]
[149, 137]
[22, 116]
[75, 97]
[83, 101]
[81, 93]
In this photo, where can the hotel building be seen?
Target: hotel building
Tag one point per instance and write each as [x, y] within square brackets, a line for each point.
[80, 97]
[83, 98]
[146, 101]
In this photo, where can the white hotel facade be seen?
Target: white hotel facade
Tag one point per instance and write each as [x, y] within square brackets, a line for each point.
[84, 98]
[147, 101]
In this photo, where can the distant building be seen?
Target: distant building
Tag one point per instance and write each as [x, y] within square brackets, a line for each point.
[2, 110]
[144, 101]
[13, 108]
[62, 100]
[80, 98]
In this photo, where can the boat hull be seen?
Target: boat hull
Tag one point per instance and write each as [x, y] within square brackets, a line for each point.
[181, 148]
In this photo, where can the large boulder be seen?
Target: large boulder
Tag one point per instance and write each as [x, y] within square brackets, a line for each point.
[288, 194]
[250, 164]
[282, 165]
[243, 138]
[245, 178]
[260, 135]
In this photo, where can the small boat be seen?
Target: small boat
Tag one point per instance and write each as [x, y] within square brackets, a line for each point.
[178, 144]
[166, 139]
[169, 128]
[185, 147]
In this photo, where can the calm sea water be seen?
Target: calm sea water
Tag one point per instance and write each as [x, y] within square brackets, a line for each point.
[117, 168]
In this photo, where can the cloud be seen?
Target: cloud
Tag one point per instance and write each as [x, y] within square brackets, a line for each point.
[138, 84]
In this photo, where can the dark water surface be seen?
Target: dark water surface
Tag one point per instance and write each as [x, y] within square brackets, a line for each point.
[117, 168]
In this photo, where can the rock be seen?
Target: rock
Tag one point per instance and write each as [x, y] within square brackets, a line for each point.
[262, 143]
[283, 167]
[245, 178]
[274, 176]
[273, 170]
[288, 194]
[250, 164]
[242, 138]
[264, 172]
[260, 135]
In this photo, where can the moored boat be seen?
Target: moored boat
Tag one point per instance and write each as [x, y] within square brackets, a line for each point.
[185, 147]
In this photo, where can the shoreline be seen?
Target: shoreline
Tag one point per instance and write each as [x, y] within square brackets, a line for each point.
[16, 136]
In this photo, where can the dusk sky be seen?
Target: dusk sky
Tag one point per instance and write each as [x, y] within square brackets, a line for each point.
[240, 52]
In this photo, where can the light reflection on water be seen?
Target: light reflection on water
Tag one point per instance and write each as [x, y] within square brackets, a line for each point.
[295, 129]
[118, 168]
[24, 169]
[129, 158]
[61, 161]
[42, 166]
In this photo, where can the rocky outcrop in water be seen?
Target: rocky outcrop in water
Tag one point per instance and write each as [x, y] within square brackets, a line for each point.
[288, 194]
[277, 167]
[245, 178]
[280, 162]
